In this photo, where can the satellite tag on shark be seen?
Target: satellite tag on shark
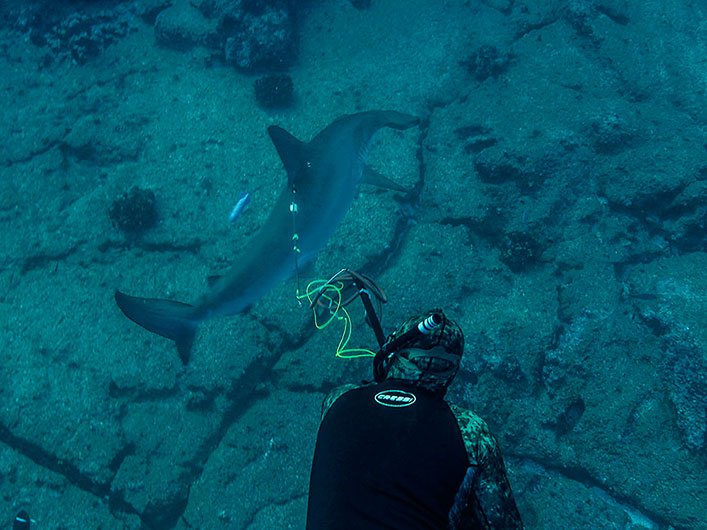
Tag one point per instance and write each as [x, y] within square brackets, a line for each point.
[323, 177]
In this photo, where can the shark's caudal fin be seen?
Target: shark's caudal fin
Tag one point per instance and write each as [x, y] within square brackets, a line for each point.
[172, 320]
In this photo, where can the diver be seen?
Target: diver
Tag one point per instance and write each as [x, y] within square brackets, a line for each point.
[395, 455]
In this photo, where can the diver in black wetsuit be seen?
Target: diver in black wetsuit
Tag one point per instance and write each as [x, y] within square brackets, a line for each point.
[395, 455]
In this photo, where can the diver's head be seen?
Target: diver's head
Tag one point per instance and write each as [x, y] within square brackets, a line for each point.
[430, 359]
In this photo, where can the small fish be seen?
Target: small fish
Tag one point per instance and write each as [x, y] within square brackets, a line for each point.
[239, 207]
[22, 521]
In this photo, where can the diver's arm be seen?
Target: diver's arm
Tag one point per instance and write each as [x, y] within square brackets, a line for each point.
[485, 499]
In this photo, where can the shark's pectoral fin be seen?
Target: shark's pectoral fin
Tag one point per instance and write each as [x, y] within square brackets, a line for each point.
[371, 176]
[395, 119]
[367, 123]
[291, 150]
[170, 319]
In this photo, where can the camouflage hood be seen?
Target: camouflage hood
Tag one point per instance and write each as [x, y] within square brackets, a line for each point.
[430, 360]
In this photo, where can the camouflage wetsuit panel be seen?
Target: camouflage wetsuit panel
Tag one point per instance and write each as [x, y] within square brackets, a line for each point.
[485, 499]
[335, 394]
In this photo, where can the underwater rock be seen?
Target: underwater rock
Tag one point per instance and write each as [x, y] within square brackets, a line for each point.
[476, 138]
[504, 6]
[361, 4]
[685, 219]
[93, 140]
[582, 15]
[554, 370]
[663, 188]
[510, 371]
[274, 91]
[182, 26]
[570, 417]
[520, 251]
[610, 134]
[258, 34]
[496, 167]
[579, 15]
[149, 9]
[562, 367]
[487, 62]
[247, 34]
[140, 483]
[615, 11]
[135, 211]
[687, 379]
[587, 291]
[668, 297]
[80, 37]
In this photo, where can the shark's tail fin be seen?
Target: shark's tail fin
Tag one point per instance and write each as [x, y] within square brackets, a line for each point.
[172, 320]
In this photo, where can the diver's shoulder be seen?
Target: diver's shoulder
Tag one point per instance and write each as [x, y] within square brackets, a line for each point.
[335, 394]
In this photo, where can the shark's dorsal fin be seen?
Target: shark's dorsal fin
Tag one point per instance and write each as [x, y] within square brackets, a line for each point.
[291, 150]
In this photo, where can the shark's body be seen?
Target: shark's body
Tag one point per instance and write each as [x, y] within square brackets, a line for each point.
[322, 180]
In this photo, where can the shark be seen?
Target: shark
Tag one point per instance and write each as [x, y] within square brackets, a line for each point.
[323, 178]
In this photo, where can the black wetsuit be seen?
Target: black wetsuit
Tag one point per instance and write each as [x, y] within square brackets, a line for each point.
[394, 456]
